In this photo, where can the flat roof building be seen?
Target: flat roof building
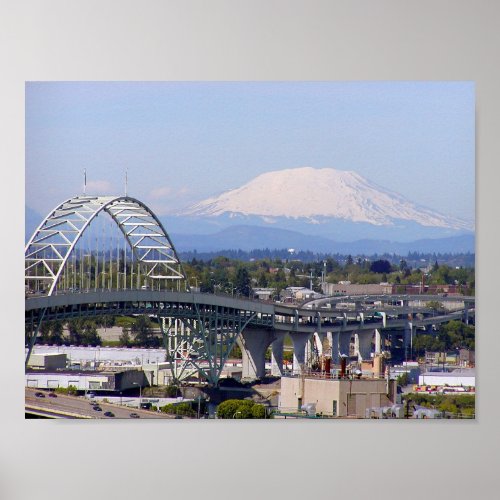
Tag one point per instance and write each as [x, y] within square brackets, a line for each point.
[336, 397]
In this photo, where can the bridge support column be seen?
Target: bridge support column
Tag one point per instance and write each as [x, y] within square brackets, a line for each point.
[299, 341]
[277, 355]
[363, 342]
[410, 331]
[344, 343]
[254, 344]
[334, 337]
[466, 313]
[378, 341]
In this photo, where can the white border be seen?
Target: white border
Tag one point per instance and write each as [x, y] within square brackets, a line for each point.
[248, 40]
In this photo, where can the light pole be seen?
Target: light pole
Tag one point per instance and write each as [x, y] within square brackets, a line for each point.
[195, 281]
[124, 280]
[140, 392]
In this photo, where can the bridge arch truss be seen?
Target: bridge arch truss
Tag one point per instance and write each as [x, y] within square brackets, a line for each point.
[50, 247]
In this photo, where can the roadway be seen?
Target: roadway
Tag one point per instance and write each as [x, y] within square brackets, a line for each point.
[183, 304]
[64, 406]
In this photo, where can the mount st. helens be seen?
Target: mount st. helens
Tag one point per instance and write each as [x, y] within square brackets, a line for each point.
[316, 195]
[335, 205]
[323, 210]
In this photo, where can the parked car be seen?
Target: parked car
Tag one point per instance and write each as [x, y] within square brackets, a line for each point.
[97, 408]
[52, 395]
[134, 415]
[109, 414]
[39, 394]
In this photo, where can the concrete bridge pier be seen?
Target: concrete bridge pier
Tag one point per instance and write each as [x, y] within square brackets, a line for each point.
[277, 355]
[466, 313]
[363, 343]
[344, 343]
[333, 338]
[299, 340]
[254, 344]
[378, 341]
[409, 335]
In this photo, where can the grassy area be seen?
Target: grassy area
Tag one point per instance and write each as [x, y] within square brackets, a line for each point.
[111, 343]
[124, 321]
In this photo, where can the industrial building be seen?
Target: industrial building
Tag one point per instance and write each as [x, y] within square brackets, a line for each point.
[461, 377]
[87, 380]
[48, 361]
[345, 397]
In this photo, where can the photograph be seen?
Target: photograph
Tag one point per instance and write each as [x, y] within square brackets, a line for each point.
[278, 250]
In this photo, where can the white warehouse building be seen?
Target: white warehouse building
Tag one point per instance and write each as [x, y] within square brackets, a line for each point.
[465, 377]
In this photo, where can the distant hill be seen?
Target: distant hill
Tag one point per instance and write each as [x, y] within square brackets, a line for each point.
[252, 237]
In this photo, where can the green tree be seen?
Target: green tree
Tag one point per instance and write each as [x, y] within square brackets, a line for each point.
[380, 266]
[57, 335]
[143, 332]
[242, 281]
[258, 411]
[75, 327]
[262, 281]
[125, 338]
[435, 305]
[90, 335]
[240, 409]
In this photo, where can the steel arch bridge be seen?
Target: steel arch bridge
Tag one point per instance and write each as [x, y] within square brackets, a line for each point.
[48, 253]
[199, 330]
[50, 247]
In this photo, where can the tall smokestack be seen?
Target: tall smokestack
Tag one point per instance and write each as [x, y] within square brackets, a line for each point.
[343, 364]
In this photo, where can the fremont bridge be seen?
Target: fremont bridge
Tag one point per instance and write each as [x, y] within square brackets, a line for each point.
[111, 255]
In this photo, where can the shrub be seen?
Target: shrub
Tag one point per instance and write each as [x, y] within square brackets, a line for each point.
[238, 408]
[183, 409]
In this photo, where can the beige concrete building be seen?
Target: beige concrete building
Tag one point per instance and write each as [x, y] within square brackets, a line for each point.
[48, 361]
[347, 288]
[337, 397]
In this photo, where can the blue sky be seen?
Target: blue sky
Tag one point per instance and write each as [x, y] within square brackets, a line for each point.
[185, 141]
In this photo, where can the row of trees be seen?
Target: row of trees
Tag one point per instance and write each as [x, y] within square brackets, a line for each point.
[450, 336]
[140, 331]
[223, 274]
[79, 332]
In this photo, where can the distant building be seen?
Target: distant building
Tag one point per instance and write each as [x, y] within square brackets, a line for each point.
[467, 358]
[263, 293]
[298, 293]
[347, 288]
[442, 358]
[461, 377]
[410, 368]
[86, 380]
[48, 361]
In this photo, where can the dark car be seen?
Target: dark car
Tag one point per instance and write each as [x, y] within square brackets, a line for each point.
[134, 415]
[97, 408]
[52, 395]
[109, 414]
[39, 395]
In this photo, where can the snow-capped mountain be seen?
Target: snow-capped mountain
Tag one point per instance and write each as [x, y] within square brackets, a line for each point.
[319, 195]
